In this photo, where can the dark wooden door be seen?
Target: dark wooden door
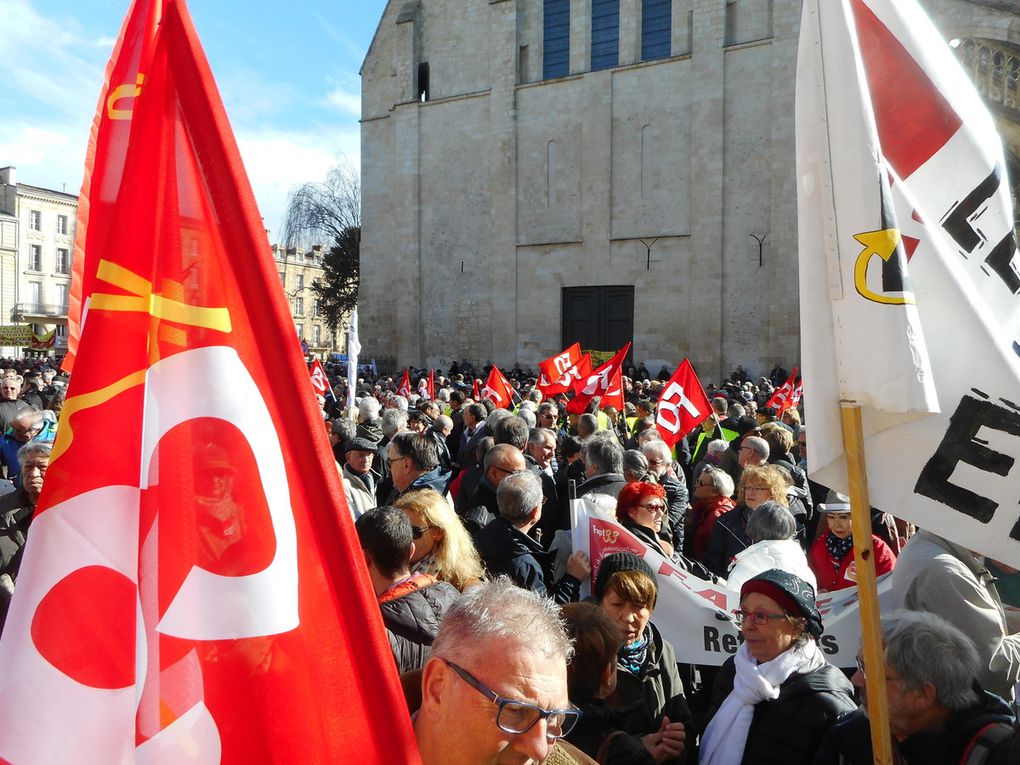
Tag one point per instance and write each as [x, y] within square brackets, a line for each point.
[599, 318]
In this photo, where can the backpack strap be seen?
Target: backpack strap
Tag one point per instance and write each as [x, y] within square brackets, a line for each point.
[985, 742]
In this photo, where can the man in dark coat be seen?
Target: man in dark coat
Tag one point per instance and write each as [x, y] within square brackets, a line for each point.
[412, 605]
[414, 464]
[16, 511]
[480, 507]
[603, 465]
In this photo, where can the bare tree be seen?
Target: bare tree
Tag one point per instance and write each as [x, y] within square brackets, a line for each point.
[330, 212]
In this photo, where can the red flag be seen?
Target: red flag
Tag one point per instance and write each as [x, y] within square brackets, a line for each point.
[320, 382]
[606, 382]
[432, 385]
[498, 389]
[475, 395]
[193, 589]
[683, 405]
[404, 389]
[558, 373]
[783, 398]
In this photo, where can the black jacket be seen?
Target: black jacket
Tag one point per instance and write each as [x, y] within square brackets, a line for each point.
[598, 722]
[603, 483]
[505, 550]
[676, 505]
[728, 538]
[412, 613]
[849, 740]
[15, 517]
[789, 729]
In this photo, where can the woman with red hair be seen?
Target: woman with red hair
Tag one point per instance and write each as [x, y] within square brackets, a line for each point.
[640, 509]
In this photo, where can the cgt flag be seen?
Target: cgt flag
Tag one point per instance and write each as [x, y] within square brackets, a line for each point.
[498, 389]
[320, 382]
[909, 274]
[558, 373]
[787, 395]
[683, 405]
[192, 588]
[404, 389]
[605, 382]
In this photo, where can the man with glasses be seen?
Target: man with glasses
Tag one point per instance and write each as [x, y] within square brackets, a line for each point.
[495, 687]
[413, 463]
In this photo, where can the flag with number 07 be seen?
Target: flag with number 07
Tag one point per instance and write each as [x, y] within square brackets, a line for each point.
[683, 404]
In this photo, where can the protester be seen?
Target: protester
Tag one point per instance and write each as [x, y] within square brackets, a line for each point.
[414, 464]
[649, 693]
[640, 509]
[603, 465]
[660, 465]
[712, 499]
[475, 709]
[442, 546]
[938, 714]
[774, 701]
[359, 479]
[832, 554]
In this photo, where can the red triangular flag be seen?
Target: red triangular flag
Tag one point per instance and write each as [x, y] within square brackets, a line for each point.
[432, 385]
[404, 389]
[498, 389]
[782, 398]
[605, 382]
[558, 373]
[683, 405]
[193, 589]
[475, 394]
[320, 382]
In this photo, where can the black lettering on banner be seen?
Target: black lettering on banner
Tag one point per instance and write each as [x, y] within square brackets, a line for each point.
[730, 643]
[717, 642]
[960, 445]
[712, 640]
[1000, 260]
[829, 644]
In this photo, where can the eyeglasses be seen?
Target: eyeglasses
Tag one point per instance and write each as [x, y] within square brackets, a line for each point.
[755, 488]
[391, 460]
[761, 618]
[418, 531]
[504, 470]
[520, 716]
[654, 508]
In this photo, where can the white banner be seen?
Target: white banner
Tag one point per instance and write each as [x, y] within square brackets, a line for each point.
[903, 198]
[695, 616]
[353, 350]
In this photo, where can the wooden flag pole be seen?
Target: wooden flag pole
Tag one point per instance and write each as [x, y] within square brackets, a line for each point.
[864, 558]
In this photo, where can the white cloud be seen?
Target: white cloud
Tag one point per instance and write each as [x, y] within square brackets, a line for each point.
[345, 100]
[52, 156]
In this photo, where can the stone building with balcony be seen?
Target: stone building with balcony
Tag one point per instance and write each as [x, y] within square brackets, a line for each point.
[299, 270]
[37, 228]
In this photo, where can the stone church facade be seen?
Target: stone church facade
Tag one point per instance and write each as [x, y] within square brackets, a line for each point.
[536, 172]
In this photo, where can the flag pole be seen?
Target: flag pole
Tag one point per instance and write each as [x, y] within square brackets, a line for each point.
[864, 558]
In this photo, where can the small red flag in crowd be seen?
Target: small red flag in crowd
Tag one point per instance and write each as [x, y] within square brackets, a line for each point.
[192, 589]
[432, 385]
[682, 406]
[498, 389]
[787, 396]
[320, 382]
[605, 382]
[475, 394]
[558, 373]
[404, 389]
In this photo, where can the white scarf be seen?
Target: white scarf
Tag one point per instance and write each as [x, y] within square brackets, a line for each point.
[726, 736]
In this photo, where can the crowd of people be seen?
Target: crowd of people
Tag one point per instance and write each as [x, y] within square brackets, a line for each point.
[462, 511]
[477, 497]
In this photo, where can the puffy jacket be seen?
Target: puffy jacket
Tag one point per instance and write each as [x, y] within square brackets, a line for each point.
[789, 730]
[411, 612]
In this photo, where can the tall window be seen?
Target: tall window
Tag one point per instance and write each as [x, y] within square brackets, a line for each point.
[299, 306]
[34, 257]
[62, 296]
[299, 282]
[317, 336]
[605, 34]
[35, 220]
[35, 293]
[63, 260]
[62, 224]
[556, 39]
[300, 330]
[656, 16]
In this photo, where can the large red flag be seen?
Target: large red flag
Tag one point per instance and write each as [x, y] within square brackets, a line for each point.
[404, 389]
[498, 389]
[683, 405]
[558, 373]
[106, 158]
[605, 382]
[192, 588]
[783, 398]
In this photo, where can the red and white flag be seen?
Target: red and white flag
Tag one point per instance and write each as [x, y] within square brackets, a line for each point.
[475, 394]
[498, 389]
[909, 272]
[683, 405]
[558, 373]
[192, 589]
[786, 395]
[404, 389]
[605, 382]
[431, 390]
[320, 382]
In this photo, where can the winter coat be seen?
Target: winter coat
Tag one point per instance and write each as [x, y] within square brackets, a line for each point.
[789, 730]
[412, 611]
[705, 513]
[676, 507]
[599, 722]
[848, 742]
[603, 483]
[15, 517]
[359, 498]
[832, 577]
[506, 550]
[728, 538]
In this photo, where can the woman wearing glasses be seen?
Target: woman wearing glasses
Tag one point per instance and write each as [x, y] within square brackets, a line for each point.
[641, 508]
[442, 546]
[774, 701]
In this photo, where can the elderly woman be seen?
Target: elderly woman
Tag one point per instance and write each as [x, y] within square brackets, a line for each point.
[712, 499]
[635, 466]
[640, 508]
[832, 555]
[649, 694]
[774, 701]
[441, 544]
[758, 483]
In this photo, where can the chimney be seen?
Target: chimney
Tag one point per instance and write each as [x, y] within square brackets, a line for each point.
[9, 175]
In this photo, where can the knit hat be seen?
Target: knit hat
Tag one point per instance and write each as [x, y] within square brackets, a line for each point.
[796, 596]
[621, 561]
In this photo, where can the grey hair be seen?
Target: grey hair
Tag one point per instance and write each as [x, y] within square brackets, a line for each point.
[717, 446]
[518, 495]
[635, 465]
[657, 447]
[401, 403]
[923, 648]
[393, 421]
[495, 416]
[604, 453]
[538, 436]
[34, 447]
[527, 414]
[721, 480]
[368, 409]
[770, 520]
[760, 445]
[736, 411]
[498, 613]
[29, 414]
[648, 436]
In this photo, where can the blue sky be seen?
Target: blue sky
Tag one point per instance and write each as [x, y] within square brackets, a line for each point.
[287, 72]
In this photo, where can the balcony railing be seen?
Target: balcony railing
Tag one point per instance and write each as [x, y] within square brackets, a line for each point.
[49, 310]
